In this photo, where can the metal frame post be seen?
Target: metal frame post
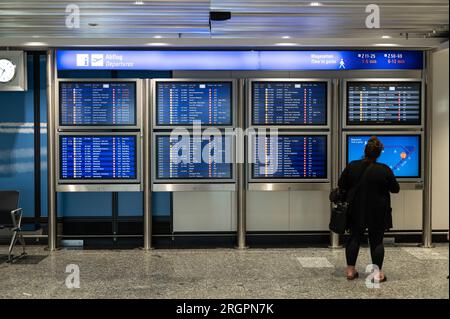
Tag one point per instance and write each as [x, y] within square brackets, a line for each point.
[427, 229]
[241, 197]
[51, 187]
[335, 156]
[146, 138]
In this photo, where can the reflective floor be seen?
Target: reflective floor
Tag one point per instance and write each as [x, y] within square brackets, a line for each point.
[222, 273]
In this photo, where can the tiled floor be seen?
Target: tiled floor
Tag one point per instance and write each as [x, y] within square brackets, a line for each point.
[223, 273]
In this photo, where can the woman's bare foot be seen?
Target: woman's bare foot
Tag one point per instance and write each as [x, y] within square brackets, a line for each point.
[351, 272]
[379, 277]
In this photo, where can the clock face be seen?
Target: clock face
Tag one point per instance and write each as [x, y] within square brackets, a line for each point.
[7, 70]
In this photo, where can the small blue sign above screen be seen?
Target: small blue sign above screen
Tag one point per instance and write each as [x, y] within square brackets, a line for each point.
[401, 152]
[183, 103]
[238, 60]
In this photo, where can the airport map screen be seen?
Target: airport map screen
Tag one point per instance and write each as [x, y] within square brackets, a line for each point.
[182, 103]
[289, 103]
[385, 103]
[195, 158]
[98, 157]
[97, 103]
[289, 157]
[401, 152]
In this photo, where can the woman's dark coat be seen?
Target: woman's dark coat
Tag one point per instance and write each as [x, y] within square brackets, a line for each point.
[371, 204]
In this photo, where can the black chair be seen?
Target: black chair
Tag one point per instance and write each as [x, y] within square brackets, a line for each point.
[11, 218]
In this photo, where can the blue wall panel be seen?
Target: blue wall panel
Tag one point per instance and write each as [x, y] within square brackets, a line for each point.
[17, 143]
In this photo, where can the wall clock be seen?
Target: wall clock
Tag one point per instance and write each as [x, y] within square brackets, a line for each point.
[7, 70]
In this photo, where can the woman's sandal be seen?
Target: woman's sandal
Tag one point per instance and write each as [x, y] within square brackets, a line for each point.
[379, 281]
[354, 276]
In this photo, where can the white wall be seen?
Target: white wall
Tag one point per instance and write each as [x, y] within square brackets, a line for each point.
[440, 136]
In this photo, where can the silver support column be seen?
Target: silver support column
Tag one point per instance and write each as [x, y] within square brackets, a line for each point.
[427, 189]
[335, 157]
[146, 137]
[241, 197]
[51, 142]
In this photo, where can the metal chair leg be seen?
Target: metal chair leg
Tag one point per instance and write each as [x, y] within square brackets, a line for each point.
[11, 246]
[22, 242]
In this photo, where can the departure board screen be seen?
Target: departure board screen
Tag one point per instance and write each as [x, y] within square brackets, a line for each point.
[290, 157]
[183, 103]
[401, 153]
[194, 157]
[384, 103]
[97, 103]
[289, 103]
[98, 157]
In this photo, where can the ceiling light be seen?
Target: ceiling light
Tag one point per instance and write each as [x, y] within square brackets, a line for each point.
[158, 36]
[139, 3]
[158, 43]
[386, 45]
[386, 37]
[286, 37]
[36, 44]
[315, 4]
[286, 44]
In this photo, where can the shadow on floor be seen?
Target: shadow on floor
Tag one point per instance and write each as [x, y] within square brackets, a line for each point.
[25, 260]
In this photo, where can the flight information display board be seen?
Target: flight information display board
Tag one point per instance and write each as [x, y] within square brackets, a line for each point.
[402, 153]
[384, 103]
[289, 103]
[197, 158]
[289, 157]
[183, 103]
[97, 103]
[95, 157]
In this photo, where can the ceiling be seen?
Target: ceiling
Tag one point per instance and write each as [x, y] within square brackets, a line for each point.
[407, 23]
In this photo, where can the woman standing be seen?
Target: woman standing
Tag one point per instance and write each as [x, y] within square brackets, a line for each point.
[368, 185]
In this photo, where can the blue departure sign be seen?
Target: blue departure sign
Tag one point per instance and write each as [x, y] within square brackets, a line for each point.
[97, 103]
[182, 103]
[384, 103]
[238, 60]
[290, 157]
[401, 152]
[289, 103]
[98, 157]
[199, 159]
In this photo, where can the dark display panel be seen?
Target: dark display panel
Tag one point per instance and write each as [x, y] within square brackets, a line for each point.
[290, 157]
[402, 153]
[384, 103]
[98, 157]
[97, 103]
[182, 103]
[196, 159]
[289, 103]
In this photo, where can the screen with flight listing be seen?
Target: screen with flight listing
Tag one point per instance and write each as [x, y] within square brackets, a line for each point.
[289, 157]
[98, 157]
[402, 153]
[97, 103]
[183, 103]
[384, 103]
[196, 158]
[289, 103]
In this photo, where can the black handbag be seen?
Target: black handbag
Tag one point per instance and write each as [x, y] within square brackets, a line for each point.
[338, 220]
[340, 206]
